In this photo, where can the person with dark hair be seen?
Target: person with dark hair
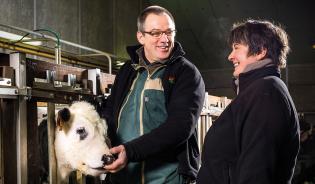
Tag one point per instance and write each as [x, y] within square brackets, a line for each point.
[256, 138]
[154, 108]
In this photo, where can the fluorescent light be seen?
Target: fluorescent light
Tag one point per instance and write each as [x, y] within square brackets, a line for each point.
[14, 37]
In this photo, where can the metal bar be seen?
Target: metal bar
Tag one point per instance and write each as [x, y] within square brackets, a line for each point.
[58, 55]
[1, 146]
[94, 76]
[8, 91]
[18, 62]
[32, 50]
[51, 138]
[107, 55]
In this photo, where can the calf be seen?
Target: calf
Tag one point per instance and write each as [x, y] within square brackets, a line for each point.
[81, 141]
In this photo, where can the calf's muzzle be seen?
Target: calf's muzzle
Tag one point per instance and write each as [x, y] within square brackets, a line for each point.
[108, 159]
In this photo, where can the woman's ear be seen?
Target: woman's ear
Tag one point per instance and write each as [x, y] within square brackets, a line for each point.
[262, 54]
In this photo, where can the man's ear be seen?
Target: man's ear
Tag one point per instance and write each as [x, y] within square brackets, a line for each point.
[262, 54]
[140, 37]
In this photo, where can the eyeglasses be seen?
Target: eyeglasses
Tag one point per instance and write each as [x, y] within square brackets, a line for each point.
[158, 34]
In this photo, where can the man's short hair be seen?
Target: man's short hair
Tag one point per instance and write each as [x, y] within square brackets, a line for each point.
[157, 10]
[259, 35]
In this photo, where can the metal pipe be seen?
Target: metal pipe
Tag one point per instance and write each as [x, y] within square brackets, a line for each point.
[57, 55]
[37, 52]
[108, 58]
[107, 55]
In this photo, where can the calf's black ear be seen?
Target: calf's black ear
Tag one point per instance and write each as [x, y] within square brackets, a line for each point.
[62, 117]
[64, 114]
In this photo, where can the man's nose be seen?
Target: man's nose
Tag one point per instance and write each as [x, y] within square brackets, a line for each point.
[164, 37]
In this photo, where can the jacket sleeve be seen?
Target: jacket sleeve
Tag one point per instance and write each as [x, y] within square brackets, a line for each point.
[267, 139]
[184, 106]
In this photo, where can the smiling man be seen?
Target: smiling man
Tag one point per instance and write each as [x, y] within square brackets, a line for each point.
[154, 108]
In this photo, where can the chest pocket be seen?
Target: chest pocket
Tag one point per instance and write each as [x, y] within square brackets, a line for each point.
[154, 109]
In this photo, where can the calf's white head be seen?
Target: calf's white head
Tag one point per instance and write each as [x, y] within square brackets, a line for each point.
[81, 141]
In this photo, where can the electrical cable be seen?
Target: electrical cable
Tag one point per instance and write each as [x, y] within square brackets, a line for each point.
[57, 36]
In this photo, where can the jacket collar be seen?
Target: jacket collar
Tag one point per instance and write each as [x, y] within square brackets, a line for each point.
[245, 79]
[177, 52]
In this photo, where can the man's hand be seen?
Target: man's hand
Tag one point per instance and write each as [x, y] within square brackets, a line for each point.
[120, 162]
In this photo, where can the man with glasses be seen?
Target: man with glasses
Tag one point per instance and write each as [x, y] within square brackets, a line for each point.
[154, 107]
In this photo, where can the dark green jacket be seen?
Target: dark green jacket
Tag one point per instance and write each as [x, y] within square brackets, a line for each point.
[176, 138]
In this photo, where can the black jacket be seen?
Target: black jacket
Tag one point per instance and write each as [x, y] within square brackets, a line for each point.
[256, 138]
[176, 138]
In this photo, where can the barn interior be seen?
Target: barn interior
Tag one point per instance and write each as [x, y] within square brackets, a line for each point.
[55, 52]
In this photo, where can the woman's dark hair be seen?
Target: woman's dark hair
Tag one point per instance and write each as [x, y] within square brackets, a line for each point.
[259, 35]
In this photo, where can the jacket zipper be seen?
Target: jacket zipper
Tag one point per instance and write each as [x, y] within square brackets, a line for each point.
[141, 114]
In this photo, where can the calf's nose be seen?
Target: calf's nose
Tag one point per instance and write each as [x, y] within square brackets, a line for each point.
[107, 159]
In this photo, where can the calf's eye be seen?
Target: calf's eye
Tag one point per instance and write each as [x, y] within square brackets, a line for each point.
[82, 133]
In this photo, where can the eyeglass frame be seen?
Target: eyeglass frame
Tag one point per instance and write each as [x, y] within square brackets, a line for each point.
[171, 32]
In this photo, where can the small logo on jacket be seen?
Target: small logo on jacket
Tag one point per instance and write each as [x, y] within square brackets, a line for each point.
[171, 79]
